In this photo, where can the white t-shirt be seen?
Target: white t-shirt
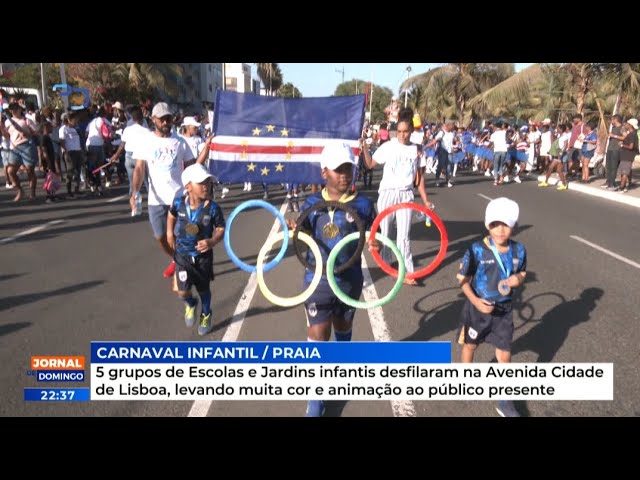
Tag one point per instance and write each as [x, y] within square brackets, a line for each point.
[70, 137]
[545, 143]
[194, 143]
[400, 163]
[165, 159]
[94, 136]
[132, 135]
[499, 140]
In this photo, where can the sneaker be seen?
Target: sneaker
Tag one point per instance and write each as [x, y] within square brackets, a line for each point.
[506, 179]
[604, 186]
[170, 270]
[449, 184]
[265, 196]
[296, 206]
[225, 190]
[543, 184]
[206, 324]
[517, 179]
[506, 408]
[562, 187]
[8, 185]
[315, 408]
[190, 315]
[487, 174]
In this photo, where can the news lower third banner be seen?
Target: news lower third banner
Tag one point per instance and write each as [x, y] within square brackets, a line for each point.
[328, 371]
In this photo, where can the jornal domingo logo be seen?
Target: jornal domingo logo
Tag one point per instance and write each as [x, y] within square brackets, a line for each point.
[57, 368]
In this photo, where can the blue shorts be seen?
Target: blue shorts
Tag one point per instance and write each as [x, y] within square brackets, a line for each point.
[158, 220]
[495, 328]
[24, 154]
[5, 157]
[323, 304]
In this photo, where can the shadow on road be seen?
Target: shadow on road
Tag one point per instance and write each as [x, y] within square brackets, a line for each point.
[17, 300]
[12, 327]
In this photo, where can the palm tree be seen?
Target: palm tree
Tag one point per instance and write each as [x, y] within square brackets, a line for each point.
[270, 75]
[463, 81]
[151, 76]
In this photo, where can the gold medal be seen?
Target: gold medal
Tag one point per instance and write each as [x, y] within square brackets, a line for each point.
[192, 229]
[330, 230]
[503, 288]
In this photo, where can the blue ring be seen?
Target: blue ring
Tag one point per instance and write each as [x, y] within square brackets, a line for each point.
[227, 235]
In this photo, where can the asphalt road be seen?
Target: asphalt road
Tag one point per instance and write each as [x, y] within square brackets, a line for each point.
[87, 271]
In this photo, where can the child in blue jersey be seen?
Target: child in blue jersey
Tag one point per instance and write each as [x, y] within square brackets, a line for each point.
[195, 224]
[323, 309]
[490, 271]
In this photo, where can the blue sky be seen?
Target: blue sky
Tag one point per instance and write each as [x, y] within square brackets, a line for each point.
[321, 79]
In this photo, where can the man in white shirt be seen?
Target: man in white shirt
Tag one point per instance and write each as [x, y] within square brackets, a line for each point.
[164, 155]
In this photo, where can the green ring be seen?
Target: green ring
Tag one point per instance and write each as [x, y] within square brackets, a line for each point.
[344, 298]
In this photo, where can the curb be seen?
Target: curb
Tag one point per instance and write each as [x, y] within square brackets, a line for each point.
[596, 192]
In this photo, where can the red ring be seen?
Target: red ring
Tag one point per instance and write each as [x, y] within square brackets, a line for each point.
[444, 240]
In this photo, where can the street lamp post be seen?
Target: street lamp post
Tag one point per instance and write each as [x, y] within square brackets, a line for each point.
[406, 91]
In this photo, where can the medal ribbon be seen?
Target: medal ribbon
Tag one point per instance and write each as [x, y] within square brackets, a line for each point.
[343, 199]
[193, 218]
[505, 271]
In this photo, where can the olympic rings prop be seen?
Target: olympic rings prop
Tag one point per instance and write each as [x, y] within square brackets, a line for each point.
[317, 276]
[444, 240]
[227, 235]
[339, 206]
[357, 303]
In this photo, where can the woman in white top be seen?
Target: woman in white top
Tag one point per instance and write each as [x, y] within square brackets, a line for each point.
[402, 169]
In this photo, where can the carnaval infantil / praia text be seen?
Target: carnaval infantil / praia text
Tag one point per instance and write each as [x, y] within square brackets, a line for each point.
[208, 353]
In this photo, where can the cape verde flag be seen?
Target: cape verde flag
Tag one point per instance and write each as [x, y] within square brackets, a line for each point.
[279, 140]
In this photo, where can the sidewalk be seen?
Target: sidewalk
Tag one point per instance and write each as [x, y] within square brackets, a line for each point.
[632, 197]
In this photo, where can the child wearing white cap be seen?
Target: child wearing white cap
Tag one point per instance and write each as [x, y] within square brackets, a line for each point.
[195, 224]
[489, 272]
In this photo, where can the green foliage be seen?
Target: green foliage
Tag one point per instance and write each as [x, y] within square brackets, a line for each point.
[288, 90]
[380, 99]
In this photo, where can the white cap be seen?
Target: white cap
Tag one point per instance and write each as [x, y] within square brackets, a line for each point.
[546, 121]
[501, 210]
[161, 110]
[196, 173]
[190, 122]
[633, 122]
[335, 154]
[118, 105]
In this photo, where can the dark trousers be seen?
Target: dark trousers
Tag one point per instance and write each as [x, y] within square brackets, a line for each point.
[443, 164]
[613, 160]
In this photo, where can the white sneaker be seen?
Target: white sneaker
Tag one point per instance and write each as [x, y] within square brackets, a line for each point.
[449, 184]
[506, 179]
[517, 180]
[248, 186]
[225, 190]
[487, 174]
[475, 169]
[9, 186]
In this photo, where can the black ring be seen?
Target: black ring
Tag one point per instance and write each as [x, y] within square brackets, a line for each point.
[340, 206]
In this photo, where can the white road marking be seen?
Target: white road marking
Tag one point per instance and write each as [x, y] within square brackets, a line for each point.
[484, 196]
[30, 231]
[400, 408]
[200, 408]
[608, 252]
[115, 199]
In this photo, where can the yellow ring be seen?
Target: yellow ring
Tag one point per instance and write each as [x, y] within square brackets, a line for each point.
[317, 276]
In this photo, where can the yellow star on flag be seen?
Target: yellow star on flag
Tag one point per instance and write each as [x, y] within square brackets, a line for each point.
[271, 128]
[256, 131]
[284, 132]
[251, 167]
[265, 171]
[279, 167]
